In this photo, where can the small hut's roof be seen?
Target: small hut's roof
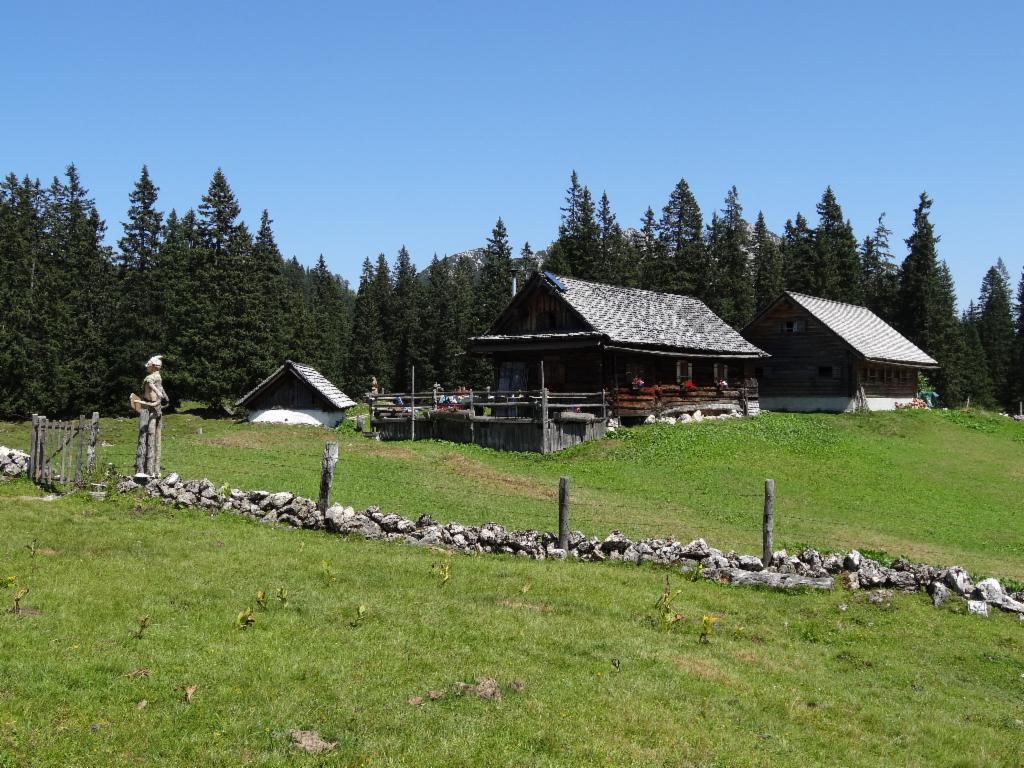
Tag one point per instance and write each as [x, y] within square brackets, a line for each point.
[867, 333]
[640, 318]
[311, 376]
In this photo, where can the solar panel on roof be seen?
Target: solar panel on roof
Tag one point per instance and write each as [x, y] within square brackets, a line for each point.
[556, 282]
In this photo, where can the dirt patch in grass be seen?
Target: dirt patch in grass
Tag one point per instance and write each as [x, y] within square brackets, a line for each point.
[515, 484]
[380, 450]
[703, 669]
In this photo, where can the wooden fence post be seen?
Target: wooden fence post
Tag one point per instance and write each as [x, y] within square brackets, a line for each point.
[563, 513]
[32, 447]
[768, 525]
[412, 406]
[94, 431]
[79, 448]
[327, 475]
[44, 459]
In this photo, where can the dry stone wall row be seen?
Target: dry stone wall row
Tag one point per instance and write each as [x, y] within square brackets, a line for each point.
[807, 568]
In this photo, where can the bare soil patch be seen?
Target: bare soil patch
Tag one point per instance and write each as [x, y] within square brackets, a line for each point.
[515, 484]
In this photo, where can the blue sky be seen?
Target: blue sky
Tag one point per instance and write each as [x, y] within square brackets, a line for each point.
[365, 127]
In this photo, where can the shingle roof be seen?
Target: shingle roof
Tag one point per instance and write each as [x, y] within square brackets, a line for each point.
[863, 330]
[638, 317]
[311, 376]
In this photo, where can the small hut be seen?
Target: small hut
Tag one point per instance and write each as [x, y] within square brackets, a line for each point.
[831, 356]
[296, 394]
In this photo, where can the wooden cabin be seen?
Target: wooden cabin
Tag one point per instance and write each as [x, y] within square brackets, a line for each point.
[653, 353]
[296, 394]
[831, 356]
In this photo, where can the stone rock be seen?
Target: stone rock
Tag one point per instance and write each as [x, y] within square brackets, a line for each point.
[187, 499]
[615, 542]
[870, 573]
[698, 416]
[850, 580]
[650, 419]
[939, 593]
[956, 578]
[852, 560]
[737, 576]
[903, 580]
[697, 549]
[750, 563]
[632, 554]
[362, 526]
[556, 554]
[989, 590]
[425, 521]
[811, 557]
[977, 607]
[1012, 605]
[126, 485]
[172, 479]
[276, 500]
[431, 537]
[335, 517]
[832, 563]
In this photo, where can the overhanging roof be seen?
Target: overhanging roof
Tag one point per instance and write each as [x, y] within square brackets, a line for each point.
[310, 376]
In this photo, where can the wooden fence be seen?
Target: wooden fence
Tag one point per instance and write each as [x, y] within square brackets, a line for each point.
[62, 452]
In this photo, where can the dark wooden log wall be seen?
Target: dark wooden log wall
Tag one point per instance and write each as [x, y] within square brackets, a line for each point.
[290, 391]
[542, 312]
[815, 362]
[887, 381]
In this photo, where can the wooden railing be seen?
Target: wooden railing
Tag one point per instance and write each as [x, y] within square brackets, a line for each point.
[534, 405]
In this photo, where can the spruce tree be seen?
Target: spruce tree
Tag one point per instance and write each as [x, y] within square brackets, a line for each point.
[495, 283]
[837, 272]
[574, 253]
[735, 291]
[140, 318]
[881, 276]
[681, 232]
[408, 334]
[1017, 393]
[798, 255]
[369, 351]
[974, 382]
[996, 330]
[330, 322]
[769, 277]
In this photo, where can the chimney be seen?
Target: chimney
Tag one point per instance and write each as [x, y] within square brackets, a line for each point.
[514, 285]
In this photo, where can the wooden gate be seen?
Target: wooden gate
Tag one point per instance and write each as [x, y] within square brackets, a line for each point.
[62, 452]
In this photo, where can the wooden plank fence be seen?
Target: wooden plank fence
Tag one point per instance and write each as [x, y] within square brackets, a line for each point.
[62, 452]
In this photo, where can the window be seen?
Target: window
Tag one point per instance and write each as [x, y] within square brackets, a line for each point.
[828, 371]
[684, 371]
[796, 325]
[721, 372]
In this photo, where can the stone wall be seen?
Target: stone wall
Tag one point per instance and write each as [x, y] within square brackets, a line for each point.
[807, 568]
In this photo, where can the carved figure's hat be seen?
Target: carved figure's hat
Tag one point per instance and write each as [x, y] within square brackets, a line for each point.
[155, 360]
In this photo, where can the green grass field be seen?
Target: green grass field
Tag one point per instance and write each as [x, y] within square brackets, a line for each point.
[825, 679]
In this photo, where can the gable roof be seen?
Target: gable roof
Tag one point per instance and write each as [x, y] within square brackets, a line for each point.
[638, 317]
[311, 376]
[862, 329]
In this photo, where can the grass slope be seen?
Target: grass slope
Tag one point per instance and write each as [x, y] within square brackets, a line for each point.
[943, 487]
[815, 679]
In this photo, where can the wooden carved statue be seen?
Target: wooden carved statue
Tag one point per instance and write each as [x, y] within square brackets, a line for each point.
[150, 410]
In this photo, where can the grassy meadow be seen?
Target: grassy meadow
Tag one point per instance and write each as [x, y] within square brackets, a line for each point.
[826, 679]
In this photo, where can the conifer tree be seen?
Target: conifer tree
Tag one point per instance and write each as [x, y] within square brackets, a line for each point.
[881, 276]
[735, 288]
[995, 330]
[973, 378]
[574, 253]
[769, 277]
[837, 272]
[140, 317]
[330, 322]
[1017, 381]
[409, 336]
[466, 369]
[653, 268]
[369, 352]
[495, 283]
[685, 268]
[798, 255]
